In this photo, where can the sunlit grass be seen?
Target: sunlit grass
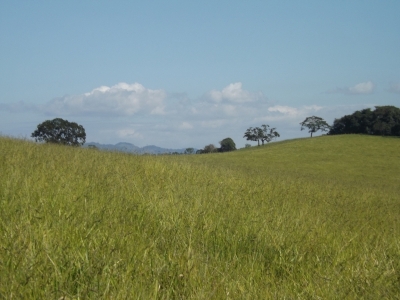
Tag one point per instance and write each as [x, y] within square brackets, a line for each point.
[309, 218]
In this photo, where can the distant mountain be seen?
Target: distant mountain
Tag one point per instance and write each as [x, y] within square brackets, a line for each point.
[130, 148]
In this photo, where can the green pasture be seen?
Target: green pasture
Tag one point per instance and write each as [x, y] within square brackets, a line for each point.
[301, 219]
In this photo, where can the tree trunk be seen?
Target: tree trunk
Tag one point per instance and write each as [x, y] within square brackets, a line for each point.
[311, 134]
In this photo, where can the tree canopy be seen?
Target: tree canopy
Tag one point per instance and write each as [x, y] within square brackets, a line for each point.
[60, 131]
[314, 124]
[384, 120]
[227, 144]
[263, 134]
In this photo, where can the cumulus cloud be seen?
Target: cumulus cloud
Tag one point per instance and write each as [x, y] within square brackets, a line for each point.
[143, 116]
[279, 113]
[122, 99]
[395, 88]
[234, 93]
[363, 88]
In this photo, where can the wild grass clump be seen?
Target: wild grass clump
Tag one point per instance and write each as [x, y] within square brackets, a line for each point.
[282, 221]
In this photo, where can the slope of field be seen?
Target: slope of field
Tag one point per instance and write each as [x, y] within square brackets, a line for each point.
[309, 218]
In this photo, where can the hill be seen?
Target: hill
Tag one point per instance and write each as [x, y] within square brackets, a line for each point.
[342, 159]
[307, 218]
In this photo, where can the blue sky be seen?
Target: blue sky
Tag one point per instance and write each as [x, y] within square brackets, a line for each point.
[189, 73]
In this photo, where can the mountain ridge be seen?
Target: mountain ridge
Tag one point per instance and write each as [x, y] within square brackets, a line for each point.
[131, 148]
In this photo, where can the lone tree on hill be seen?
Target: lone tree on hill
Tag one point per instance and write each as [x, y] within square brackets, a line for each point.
[265, 134]
[59, 131]
[314, 124]
[227, 145]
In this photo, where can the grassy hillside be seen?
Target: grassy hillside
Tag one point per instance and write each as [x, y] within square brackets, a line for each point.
[309, 218]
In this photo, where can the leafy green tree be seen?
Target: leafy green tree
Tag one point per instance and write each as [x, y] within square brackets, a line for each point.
[384, 120]
[227, 145]
[60, 131]
[314, 124]
[266, 133]
[263, 134]
[252, 134]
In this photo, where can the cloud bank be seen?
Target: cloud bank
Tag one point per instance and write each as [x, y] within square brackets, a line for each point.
[363, 88]
[121, 99]
[140, 115]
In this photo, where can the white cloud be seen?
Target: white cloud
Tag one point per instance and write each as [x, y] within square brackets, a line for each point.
[144, 116]
[101, 89]
[395, 88]
[363, 88]
[121, 99]
[286, 110]
[234, 93]
[279, 113]
[128, 133]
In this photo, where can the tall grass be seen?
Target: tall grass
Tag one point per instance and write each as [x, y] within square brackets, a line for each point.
[313, 218]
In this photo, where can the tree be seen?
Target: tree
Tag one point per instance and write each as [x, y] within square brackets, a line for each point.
[60, 131]
[314, 124]
[251, 134]
[210, 149]
[207, 149]
[263, 133]
[266, 134]
[384, 120]
[227, 145]
[189, 151]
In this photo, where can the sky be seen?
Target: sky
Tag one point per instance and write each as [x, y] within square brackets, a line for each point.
[180, 74]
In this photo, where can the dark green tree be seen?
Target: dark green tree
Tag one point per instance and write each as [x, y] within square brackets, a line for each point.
[252, 134]
[227, 145]
[314, 124]
[210, 149]
[207, 149]
[60, 131]
[384, 120]
[266, 134]
[263, 134]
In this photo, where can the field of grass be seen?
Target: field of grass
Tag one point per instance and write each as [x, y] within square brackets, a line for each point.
[302, 219]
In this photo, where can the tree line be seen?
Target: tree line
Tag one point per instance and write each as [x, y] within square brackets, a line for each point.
[384, 120]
